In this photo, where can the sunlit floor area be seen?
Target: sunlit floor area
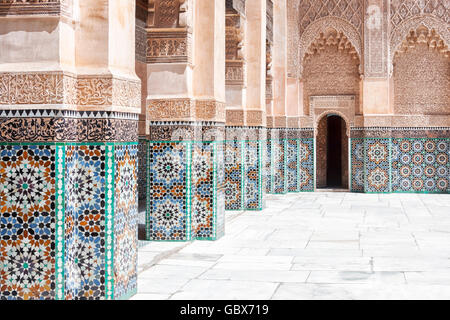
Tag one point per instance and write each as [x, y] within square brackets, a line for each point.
[321, 245]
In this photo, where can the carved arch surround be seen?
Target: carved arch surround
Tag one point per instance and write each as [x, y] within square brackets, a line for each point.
[332, 112]
[399, 34]
[319, 26]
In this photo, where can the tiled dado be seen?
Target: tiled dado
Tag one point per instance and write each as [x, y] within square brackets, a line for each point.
[68, 224]
[400, 161]
[185, 190]
[290, 159]
[244, 161]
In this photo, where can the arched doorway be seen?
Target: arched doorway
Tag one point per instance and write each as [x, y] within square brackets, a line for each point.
[332, 153]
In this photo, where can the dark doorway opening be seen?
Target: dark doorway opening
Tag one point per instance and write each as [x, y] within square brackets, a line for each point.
[334, 151]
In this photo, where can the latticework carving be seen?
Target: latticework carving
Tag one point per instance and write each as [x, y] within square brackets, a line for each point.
[403, 10]
[349, 10]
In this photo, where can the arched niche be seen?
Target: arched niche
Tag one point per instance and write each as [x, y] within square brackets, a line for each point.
[323, 25]
[399, 34]
[421, 73]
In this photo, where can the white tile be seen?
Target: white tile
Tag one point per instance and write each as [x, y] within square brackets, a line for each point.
[352, 277]
[226, 290]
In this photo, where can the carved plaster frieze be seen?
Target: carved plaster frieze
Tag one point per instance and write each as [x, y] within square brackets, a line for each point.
[31, 7]
[166, 46]
[210, 110]
[66, 126]
[234, 72]
[235, 117]
[71, 91]
[185, 109]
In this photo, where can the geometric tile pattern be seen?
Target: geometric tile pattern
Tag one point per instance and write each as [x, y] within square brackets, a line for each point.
[234, 175]
[203, 183]
[125, 220]
[142, 169]
[307, 171]
[67, 224]
[357, 165]
[27, 221]
[293, 165]
[185, 191]
[420, 165]
[253, 180]
[377, 165]
[243, 175]
[168, 191]
[268, 166]
[85, 222]
[279, 157]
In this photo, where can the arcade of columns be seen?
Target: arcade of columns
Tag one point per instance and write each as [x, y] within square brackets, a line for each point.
[195, 107]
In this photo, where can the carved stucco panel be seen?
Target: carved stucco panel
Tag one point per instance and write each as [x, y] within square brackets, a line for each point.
[320, 26]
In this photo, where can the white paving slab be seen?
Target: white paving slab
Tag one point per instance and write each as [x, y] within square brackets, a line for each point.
[319, 245]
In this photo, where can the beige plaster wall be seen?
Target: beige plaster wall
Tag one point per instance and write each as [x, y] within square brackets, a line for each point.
[92, 37]
[375, 96]
[29, 44]
[293, 92]
[122, 35]
[171, 80]
[209, 50]
[255, 53]
[279, 58]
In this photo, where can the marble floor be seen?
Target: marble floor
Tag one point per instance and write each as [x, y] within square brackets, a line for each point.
[320, 245]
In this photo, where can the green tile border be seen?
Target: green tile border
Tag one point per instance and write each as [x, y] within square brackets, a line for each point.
[60, 158]
[109, 220]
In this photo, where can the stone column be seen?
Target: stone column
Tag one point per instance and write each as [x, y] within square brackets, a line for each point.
[268, 172]
[245, 111]
[186, 108]
[293, 135]
[235, 77]
[69, 105]
[255, 116]
[278, 134]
